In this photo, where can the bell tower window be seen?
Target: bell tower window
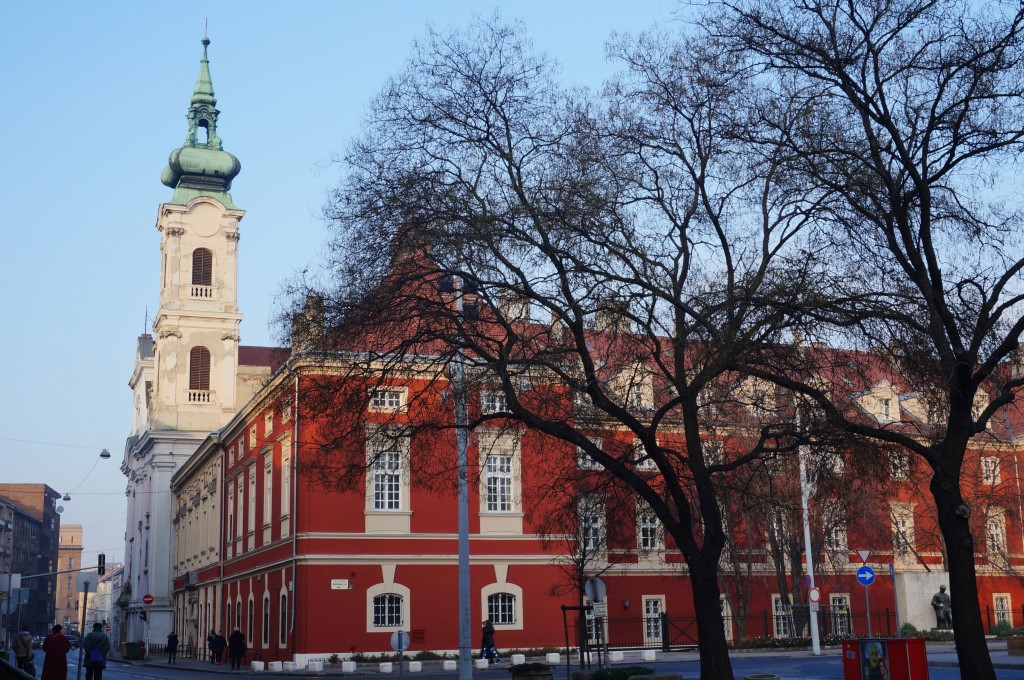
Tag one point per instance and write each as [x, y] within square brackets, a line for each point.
[199, 375]
[202, 273]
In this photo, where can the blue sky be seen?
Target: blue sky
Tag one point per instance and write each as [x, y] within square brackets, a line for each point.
[96, 95]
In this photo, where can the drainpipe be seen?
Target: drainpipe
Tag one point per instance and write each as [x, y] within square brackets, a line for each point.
[294, 504]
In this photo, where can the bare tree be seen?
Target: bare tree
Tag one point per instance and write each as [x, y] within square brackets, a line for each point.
[919, 123]
[599, 268]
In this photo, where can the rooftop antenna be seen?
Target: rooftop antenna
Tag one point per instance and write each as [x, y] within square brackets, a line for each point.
[206, 28]
[145, 321]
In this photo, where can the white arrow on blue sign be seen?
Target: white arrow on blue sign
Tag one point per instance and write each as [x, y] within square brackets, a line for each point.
[866, 575]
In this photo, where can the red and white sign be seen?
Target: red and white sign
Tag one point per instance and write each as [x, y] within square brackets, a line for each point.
[108, 627]
[814, 594]
[147, 599]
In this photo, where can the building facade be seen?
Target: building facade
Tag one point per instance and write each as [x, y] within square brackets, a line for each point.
[69, 559]
[230, 452]
[32, 541]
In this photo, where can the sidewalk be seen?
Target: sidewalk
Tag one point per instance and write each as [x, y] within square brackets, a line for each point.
[941, 655]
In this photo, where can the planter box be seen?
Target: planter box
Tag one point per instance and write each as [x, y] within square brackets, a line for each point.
[553, 657]
[650, 655]
[315, 666]
[616, 656]
[275, 666]
[385, 667]
[348, 666]
[257, 666]
[449, 665]
[1015, 645]
[518, 659]
[415, 666]
[481, 664]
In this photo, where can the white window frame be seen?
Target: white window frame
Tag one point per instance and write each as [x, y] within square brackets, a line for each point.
[501, 608]
[499, 483]
[782, 618]
[388, 399]
[899, 465]
[251, 498]
[384, 441]
[387, 481]
[493, 401]
[584, 461]
[268, 487]
[286, 478]
[652, 607]
[990, 472]
[1003, 607]
[648, 529]
[840, 613]
[904, 540]
[504, 588]
[995, 531]
[591, 514]
[265, 633]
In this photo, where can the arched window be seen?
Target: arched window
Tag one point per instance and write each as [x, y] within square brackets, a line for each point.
[248, 632]
[282, 636]
[199, 369]
[501, 608]
[266, 620]
[387, 610]
[228, 620]
[202, 267]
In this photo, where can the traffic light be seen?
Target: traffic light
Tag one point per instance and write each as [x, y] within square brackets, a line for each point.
[101, 565]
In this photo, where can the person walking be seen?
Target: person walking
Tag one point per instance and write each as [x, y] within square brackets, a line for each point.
[210, 643]
[487, 650]
[236, 649]
[172, 647]
[56, 647]
[219, 643]
[95, 648]
[22, 647]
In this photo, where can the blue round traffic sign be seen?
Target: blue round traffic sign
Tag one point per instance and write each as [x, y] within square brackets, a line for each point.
[866, 575]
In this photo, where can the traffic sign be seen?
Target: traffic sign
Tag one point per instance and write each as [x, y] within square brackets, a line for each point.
[601, 609]
[147, 599]
[864, 555]
[595, 589]
[108, 627]
[866, 575]
[814, 594]
[399, 641]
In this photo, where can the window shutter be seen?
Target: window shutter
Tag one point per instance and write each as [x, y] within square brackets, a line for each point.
[202, 267]
[199, 369]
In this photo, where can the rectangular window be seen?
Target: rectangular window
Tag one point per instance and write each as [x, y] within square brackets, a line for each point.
[835, 538]
[282, 637]
[886, 406]
[782, 614]
[499, 483]
[286, 480]
[252, 499]
[990, 470]
[1004, 614]
[584, 460]
[501, 608]
[899, 465]
[840, 615]
[386, 400]
[493, 402]
[252, 437]
[641, 459]
[648, 530]
[231, 512]
[995, 532]
[653, 607]
[592, 523]
[387, 481]
[268, 486]
[268, 423]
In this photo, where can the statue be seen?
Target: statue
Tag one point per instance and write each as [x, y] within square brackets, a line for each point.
[943, 609]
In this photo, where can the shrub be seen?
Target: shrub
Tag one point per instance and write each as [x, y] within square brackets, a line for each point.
[529, 667]
[334, 659]
[429, 656]
[1003, 629]
[621, 672]
[909, 630]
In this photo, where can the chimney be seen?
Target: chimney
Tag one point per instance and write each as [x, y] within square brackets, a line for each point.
[308, 325]
[613, 315]
[513, 306]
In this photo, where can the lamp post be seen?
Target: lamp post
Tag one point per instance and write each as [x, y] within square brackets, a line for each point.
[458, 369]
[805, 493]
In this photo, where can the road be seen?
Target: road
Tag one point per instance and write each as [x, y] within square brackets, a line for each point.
[786, 667]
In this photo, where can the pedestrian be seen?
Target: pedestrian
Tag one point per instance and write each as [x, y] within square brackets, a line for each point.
[210, 643]
[487, 650]
[236, 649]
[22, 646]
[56, 647]
[172, 647]
[219, 643]
[95, 648]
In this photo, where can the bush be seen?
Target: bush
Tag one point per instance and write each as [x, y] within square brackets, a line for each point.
[771, 643]
[909, 630]
[334, 659]
[530, 667]
[1003, 629]
[429, 656]
[621, 672]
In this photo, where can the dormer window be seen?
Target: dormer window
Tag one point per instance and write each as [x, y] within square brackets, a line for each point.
[886, 408]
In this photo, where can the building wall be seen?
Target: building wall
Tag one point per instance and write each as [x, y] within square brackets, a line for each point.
[69, 558]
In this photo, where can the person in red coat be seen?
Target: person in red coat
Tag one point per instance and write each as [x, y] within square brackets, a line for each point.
[55, 663]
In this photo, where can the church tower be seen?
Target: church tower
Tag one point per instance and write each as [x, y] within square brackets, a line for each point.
[186, 381]
[196, 326]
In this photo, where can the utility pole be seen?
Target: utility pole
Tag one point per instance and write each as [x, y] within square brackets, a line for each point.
[81, 639]
[458, 371]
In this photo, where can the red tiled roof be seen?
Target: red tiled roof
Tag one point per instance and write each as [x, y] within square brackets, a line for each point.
[273, 357]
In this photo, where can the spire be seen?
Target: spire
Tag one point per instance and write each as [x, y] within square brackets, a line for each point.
[201, 166]
[204, 84]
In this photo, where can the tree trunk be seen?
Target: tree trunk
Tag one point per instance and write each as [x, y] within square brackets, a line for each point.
[714, 649]
[971, 648]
